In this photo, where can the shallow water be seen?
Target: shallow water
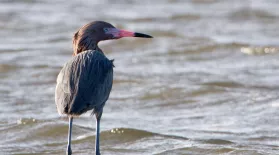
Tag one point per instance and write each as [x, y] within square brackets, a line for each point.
[207, 84]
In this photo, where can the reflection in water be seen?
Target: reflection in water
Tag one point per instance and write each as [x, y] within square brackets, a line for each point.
[206, 84]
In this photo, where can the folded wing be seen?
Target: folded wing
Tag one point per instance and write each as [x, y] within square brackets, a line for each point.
[84, 83]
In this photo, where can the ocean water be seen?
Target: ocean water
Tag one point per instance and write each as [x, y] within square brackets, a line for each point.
[206, 84]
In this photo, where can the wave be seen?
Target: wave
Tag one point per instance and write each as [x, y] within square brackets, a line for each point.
[246, 13]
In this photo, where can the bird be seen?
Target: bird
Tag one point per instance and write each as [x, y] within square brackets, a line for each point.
[85, 81]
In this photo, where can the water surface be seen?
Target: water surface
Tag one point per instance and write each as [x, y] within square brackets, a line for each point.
[207, 84]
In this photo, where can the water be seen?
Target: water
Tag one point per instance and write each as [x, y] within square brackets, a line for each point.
[207, 84]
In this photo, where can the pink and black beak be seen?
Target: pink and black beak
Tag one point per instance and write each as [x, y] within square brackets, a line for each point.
[141, 35]
[117, 33]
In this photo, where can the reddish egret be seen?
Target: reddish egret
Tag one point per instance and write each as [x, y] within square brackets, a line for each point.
[85, 82]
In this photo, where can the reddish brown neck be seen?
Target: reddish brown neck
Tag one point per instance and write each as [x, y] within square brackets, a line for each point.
[76, 52]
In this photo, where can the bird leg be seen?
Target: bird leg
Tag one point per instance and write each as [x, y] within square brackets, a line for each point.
[69, 150]
[98, 119]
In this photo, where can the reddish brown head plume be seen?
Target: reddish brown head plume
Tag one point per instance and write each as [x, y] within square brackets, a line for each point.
[88, 36]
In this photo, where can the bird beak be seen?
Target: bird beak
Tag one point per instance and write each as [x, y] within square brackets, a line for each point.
[117, 33]
[124, 33]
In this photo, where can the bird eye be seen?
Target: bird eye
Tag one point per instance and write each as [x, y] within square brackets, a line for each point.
[106, 29]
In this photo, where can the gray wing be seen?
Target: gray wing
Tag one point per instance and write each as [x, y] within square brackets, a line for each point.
[84, 83]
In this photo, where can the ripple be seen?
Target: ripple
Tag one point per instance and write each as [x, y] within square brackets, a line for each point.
[259, 50]
[5, 68]
[224, 84]
[194, 150]
[217, 141]
[186, 17]
[124, 135]
[248, 13]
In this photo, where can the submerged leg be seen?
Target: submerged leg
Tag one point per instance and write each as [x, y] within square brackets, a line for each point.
[69, 150]
[98, 119]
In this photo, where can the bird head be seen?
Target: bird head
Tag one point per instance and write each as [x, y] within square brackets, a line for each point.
[88, 36]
